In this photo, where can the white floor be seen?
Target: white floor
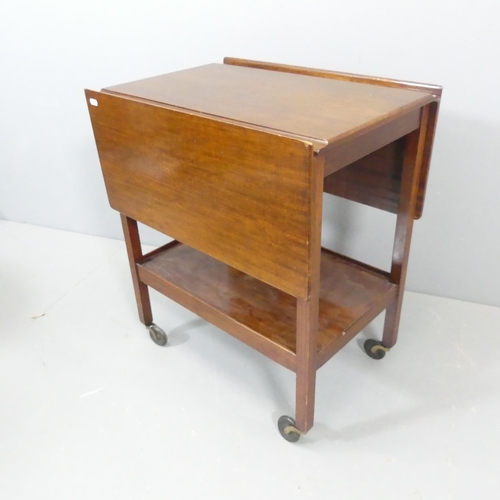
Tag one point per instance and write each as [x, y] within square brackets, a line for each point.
[91, 408]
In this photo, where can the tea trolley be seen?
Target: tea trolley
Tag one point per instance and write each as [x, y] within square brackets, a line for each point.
[231, 160]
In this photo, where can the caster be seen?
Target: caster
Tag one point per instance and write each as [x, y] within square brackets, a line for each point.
[157, 334]
[288, 429]
[375, 349]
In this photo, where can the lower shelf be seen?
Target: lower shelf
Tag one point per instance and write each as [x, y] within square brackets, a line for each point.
[262, 316]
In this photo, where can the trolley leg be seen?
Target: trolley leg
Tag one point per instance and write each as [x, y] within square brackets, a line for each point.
[134, 251]
[307, 320]
[414, 149]
[391, 322]
[308, 312]
[307, 333]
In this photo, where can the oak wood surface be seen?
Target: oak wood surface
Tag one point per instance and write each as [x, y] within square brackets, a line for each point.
[237, 194]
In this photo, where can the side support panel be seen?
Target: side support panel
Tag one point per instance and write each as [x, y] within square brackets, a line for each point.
[374, 180]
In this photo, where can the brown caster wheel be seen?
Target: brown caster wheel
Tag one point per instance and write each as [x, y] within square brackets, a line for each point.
[375, 349]
[157, 334]
[288, 429]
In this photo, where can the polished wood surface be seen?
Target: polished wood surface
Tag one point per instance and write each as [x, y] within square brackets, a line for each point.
[426, 157]
[232, 160]
[237, 194]
[336, 75]
[339, 157]
[374, 180]
[319, 110]
[347, 291]
[308, 311]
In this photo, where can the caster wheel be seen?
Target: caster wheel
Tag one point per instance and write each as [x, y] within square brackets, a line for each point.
[288, 429]
[375, 349]
[157, 334]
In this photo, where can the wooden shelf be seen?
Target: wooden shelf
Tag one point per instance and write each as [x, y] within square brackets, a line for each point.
[352, 295]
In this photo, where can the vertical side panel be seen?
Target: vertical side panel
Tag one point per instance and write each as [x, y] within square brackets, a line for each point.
[239, 195]
[374, 180]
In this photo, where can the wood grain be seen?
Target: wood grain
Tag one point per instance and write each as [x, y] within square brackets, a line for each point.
[355, 147]
[232, 160]
[372, 140]
[374, 180]
[348, 291]
[239, 195]
[318, 110]
[134, 251]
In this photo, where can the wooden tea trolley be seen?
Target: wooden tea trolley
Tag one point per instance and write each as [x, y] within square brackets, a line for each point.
[232, 161]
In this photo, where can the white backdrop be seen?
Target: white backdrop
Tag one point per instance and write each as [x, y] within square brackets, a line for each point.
[51, 49]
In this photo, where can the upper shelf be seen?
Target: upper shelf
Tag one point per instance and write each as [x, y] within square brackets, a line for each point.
[314, 109]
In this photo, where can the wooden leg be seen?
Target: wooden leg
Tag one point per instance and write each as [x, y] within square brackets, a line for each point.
[391, 322]
[308, 311]
[414, 149]
[307, 335]
[134, 251]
